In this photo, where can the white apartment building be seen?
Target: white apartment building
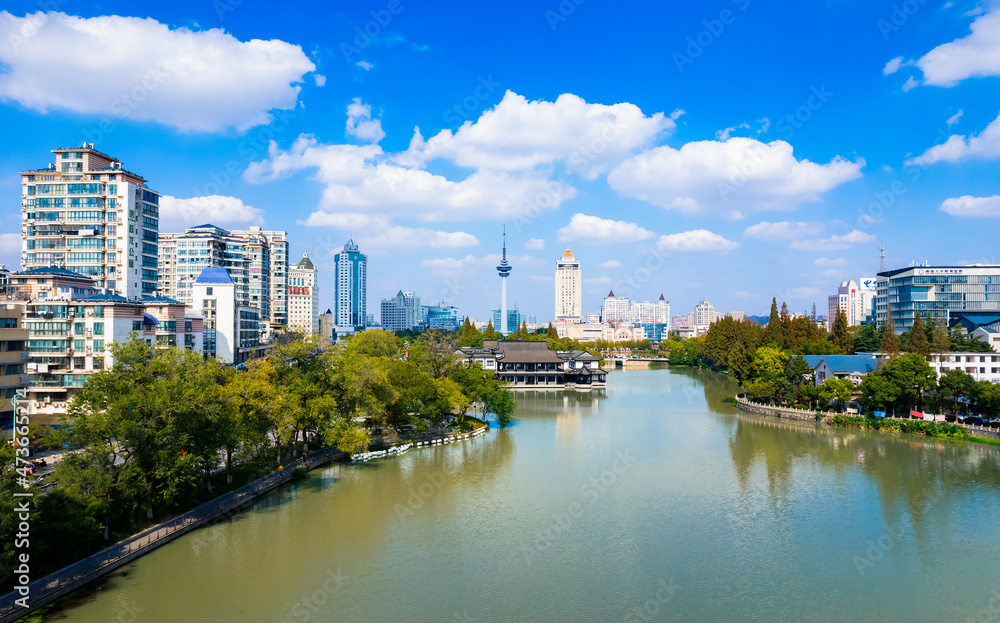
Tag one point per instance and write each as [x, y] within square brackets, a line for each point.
[704, 315]
[648, 312]
[277, 241]
[615, 309]
[857, 302]
[231, 330]
[303, 296]
[980, 366]
[569, 288]
[87, 214]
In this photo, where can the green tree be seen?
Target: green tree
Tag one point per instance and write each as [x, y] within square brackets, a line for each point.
[552, 332]
[836, 389]
[490, 333]
[918, 337]
[940, 342]
[955, 384]
[889, 344]
[867, 339]
[522, 332]
[878, 390]
[913, 375]
[773, 334]
[841, 333]
[740, 363]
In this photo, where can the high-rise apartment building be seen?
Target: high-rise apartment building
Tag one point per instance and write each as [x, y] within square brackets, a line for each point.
[647, 312]
[303, 296]
[857, 303]
[88, 214]
[231, 330]
[278, 242]
[569, 288]
[245, 256]
[704, 314]
[942, 293]
[615, 308]
[13, 354]
[402, 312]
[351, 286]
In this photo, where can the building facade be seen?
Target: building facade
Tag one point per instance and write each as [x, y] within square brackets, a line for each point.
[303, 296]
[856, 302]
[441, 317]
[13, 356]
[351, 287]
[402, 312]
[980, 366]
[87, 213]
[279, 270]
[704, 315]
[569, 288]
[615, 308]
[232, 332]
[531, 365]
[650, 312]
[940, 293]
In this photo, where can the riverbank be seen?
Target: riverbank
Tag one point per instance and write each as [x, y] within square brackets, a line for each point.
[939, 430]
[66, 580]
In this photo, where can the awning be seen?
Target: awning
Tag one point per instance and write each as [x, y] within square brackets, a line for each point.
[149, 319]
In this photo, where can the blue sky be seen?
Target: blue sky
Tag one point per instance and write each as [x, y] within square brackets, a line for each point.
[732, 150]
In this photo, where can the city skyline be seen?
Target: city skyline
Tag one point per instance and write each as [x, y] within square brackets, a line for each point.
[786, 180]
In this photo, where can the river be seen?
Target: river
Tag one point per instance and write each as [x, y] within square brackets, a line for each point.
[652, 500]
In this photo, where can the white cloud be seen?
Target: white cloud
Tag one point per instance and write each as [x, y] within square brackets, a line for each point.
[976, 207]
[521, 135]
[535, 244]
[610, 264]
[364, 65]
[396, 237]
[892, 66]
[802, 293]
[470, 264]
[320, 80]
[178, 214]
[983, 145]
[360, 123]
[824, 262]
[911, 83]
[785, 230]
[344, 220]
[602, 231]
[952, 120]
[834, 243]
[713, 176]
[140, 69]
[723, 135]
[364, 179]
[975, 55]
[697, 240]
[743, 294]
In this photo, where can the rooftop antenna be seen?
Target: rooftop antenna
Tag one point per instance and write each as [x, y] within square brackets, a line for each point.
[881, 265]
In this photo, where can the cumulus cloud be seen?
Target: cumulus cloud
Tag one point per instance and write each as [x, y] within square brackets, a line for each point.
[697, 240]
[834, 243]
[140, 69]
[785, 230]
[535, 244]
[714, 176]
[360, 124]
[397, 237]
[973, 56]
[976, 207]
[362, 179]
[364, 65]
[952, 120]
[520, 135]
[986, 144]
[602, 231]
[610, 264]
[176, 215]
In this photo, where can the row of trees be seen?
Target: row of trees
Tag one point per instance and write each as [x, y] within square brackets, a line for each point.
[153, 430]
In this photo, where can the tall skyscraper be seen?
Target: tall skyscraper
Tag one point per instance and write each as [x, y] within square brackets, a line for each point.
[504, 270]
[351, 273]
[88, 214]
[303, 296]
[569, 290]
[278, 242]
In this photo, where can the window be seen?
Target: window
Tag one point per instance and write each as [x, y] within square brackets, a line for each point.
[98, 311]
[208, 291]
[98, 328]
[98, 346]
[79, 362]
[79, 345]
[78, 328]
[137, 325]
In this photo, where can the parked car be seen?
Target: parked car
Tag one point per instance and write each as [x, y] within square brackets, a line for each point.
[994, 424]
[951, 417]
[975, 420]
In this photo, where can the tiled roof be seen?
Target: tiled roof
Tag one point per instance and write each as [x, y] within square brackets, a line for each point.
[214, 274]
[51, 270]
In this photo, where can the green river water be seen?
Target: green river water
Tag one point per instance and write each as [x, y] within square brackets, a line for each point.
[652, 500]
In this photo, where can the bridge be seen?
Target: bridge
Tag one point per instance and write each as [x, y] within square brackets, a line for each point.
[632, 361]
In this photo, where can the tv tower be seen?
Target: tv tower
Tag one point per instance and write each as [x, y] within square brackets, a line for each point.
[881, 267]
[504, 270]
